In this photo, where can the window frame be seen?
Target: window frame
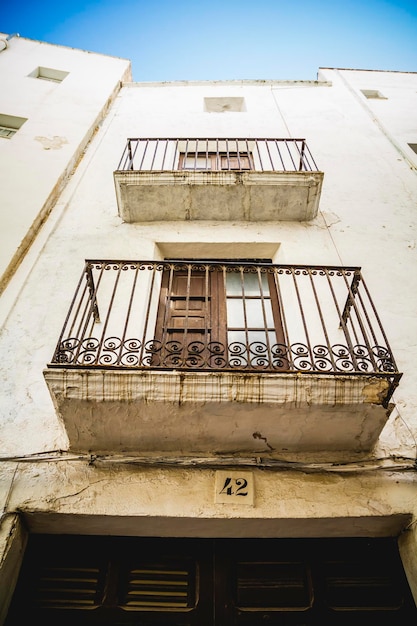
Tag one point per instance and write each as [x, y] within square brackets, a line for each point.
[211, 340]
[11, 124]
[218, 161]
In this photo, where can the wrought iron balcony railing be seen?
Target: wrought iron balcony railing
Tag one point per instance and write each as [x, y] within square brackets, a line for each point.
[230, 316]
[261, 155]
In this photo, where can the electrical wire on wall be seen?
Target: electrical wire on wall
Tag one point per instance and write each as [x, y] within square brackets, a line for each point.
[389, 463]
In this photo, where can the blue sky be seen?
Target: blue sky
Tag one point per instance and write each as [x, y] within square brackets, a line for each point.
[228, 39]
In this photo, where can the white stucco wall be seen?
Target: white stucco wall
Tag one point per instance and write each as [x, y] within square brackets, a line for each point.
[61, 118]
[367, 217]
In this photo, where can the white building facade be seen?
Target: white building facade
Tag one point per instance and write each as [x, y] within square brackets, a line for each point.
[208, 315]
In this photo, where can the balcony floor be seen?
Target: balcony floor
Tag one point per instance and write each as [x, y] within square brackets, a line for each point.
[115, 411]
[224, 195]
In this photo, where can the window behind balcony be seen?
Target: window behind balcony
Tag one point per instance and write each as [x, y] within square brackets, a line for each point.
[215, 161]
[213, 314]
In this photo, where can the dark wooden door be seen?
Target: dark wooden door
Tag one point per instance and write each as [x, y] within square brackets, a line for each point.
[128, 581]
[191, 324]
[186, 306]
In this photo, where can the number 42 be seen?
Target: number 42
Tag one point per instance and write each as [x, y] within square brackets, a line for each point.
[235, 487]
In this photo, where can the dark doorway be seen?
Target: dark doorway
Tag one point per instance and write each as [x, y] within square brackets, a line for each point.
[211, 582]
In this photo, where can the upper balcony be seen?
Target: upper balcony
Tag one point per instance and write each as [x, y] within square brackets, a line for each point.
[221, 357]
[251, 180]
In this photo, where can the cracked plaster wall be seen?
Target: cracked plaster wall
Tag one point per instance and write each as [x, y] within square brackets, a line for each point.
[112, 489]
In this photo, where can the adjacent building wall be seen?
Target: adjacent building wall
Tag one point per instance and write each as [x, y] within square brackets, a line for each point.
[61, 118]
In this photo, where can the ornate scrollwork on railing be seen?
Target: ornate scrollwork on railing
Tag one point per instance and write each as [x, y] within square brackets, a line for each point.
[322, 359]
[151, 353]
[110, 351]
[84, 352]
[383, 359]
[301, 359]
[342, 357]
[280, 357]
[65, 352]
[214, 355]
[259, 355]
[237, 354]
[217, 358]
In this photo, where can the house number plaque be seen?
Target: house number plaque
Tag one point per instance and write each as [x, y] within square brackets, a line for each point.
[234, 487]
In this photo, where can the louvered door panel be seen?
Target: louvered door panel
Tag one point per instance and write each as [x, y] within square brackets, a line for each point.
[361, 586]
[273, 586]
[68, 587]
[160, 586]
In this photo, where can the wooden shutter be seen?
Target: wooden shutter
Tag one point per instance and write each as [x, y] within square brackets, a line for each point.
[273, 585]
[191, 317]
[68, 586]
[163, 584]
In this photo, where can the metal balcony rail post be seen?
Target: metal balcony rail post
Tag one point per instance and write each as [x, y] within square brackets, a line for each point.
[341, 318]
[301, 166]
[263, 154]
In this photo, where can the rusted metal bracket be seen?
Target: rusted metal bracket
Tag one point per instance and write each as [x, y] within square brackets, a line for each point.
[352, 293]
[93, 298]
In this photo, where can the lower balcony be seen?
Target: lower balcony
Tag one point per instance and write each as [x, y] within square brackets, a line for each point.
[196, 357]
[217, 179]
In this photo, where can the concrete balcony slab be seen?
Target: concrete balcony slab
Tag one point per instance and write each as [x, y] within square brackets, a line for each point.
[145, 411]
[146, 196]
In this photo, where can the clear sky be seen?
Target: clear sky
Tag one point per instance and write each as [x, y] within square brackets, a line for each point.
[226, 39]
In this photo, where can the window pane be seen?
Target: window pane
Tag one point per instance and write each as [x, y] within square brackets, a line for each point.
[253, 284]
[268, 314]
[258, 340]
[254, 313]
[199, 163]
[236, 336]
[235, 315]
[233, 284]
[257, 312]
[259, 336]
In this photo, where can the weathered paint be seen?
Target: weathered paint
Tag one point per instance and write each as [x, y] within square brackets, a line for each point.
[136, 411]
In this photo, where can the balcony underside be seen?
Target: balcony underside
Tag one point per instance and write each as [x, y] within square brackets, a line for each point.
[223, 195]
[111, 411]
